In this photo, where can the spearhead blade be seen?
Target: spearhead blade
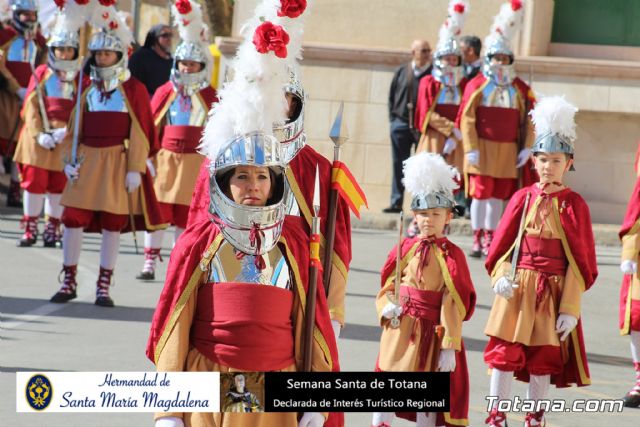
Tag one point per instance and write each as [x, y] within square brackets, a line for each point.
[316, 193]
[338, 132]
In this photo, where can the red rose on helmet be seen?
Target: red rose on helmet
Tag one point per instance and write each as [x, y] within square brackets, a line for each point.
[516, 5]
[60, 3]
[270, 37]
[82, 2]
[183, 6]
[292, 8]
[459, 7]
[107, 2]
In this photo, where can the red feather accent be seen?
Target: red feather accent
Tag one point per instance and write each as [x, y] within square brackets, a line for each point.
[458, 7]
[113, 25]
[516, 5]
[60, 3]
[105, 15]
[82, 2]
[107, 3]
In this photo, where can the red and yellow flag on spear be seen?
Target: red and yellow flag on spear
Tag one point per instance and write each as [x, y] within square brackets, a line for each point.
[344, 182]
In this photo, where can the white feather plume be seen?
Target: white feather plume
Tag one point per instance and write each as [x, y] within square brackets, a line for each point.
[5, 11]
[253, 100]
[106, 18]
[507, 22]
[453, 25]
[556, 115]
[427, 173]
[191, 27]
[72, 17]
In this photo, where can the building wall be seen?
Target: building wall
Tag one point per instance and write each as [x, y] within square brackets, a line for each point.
[352, 60]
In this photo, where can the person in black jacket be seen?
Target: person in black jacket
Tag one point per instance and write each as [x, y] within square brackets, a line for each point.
[402, 101]
[470, 46]
[152, 63]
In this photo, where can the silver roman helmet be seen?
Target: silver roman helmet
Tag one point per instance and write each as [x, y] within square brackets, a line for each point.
[18, 6]
[190, 83]
[505, 26]
[431, 182]
[291, 134]
[194, 35]
[254, 230]
[66, 33]
[554, 121]
[448, 44]
[113, 35]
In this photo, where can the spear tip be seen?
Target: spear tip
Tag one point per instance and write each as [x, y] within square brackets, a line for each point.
[338, 132]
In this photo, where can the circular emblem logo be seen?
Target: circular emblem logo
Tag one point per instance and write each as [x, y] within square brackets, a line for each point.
[39, 392]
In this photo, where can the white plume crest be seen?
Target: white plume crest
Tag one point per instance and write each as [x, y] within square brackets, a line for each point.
[191, 27]
[556, 115]
[507, 22]
[254, 99]
[72, 17]
[5, 10]
[106, 18]
[427, 173]
[453, 25]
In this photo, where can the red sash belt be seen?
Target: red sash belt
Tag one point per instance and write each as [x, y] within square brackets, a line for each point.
[545, 256]
[181, 139]
[102, 129]
[58, 109]
[21, 72]
[424, 306]
[498, 124]
[450, 111]
[244, 326]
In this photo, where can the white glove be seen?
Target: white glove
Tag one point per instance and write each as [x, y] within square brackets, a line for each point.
[456, 132]
[447, 360]
[473, 157]
[523, 156]
[382, 418]
[58, 134]
[22, 92]
[628, 266]
[504, 287]
[152, 170]
[71, 171]
[311, 419]
[336, 329]
[169, 422]
[391, 310]
[565, 324]
[449, 145]
[132, 181]
[46, 141]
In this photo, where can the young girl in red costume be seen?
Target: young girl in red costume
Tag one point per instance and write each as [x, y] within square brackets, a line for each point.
[534, 326]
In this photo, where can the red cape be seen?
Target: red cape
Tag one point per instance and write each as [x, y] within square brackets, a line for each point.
[461, 278]
[303, 168]
[576, 223]
[186, 257]
[427, 96]
[159, 104]
[633, 211]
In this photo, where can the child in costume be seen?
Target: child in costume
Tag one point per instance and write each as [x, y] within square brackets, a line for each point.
[534, 326]
[630, 290]
[436, 294]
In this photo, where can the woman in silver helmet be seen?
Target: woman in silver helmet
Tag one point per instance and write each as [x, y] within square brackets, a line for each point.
[236, 283]
[46, 113]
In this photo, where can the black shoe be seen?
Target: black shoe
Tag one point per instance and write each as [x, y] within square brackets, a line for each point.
[26, 242]
[475, 254]
[392, 209]
[104, 302]
[146, 275]
[631, 400]
[62, 297]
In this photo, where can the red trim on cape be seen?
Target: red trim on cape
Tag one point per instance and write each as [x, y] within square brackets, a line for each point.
[633, 211]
